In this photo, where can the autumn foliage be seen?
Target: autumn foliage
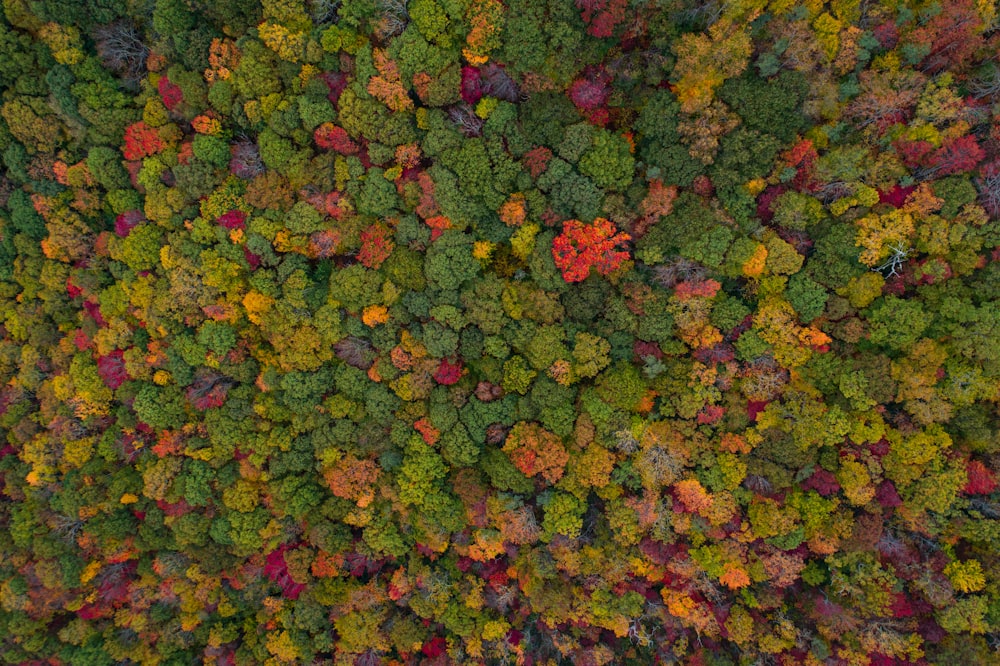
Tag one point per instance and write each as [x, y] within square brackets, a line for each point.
[581, 247]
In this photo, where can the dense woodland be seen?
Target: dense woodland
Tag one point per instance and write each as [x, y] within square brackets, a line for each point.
[499, 332]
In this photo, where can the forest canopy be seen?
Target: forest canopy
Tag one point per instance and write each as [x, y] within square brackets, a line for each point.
[531, 332]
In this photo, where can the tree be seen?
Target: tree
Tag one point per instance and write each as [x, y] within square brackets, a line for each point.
[581, 247]
[536, 451]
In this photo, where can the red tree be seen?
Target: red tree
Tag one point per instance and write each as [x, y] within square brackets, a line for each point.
[956, 156]
[581, 247]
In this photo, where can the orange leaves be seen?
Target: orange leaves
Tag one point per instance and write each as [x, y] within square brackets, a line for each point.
[693, 495]
[581, 247]
[223, 58]
[659, 201]
[734, 576]
[705, 61]
[513, 212]
[387, 87]
[353, 479]
[373, 315]
[734, 443]
[536, 451]
[141, 141]
[754, 266]
[376, 246]
[486, 21]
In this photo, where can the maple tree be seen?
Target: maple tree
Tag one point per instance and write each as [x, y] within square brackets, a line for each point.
[581, 247]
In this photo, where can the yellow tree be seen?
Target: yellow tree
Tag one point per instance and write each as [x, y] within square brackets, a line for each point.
[704, 62]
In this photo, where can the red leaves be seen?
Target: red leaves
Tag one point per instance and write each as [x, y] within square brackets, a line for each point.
[434, 647]
[111, 369]
[700, 289]
[601, 16]
[333, 137]
[981, 480]
[589, 93]
[208, 390]
[376, 246]
[234, 219]
[170, 93]
[803, 157]
[448, 373]
[472, 86]
[141, 141]
[276, 568]
[957, 156]
[127, 221]
[536, 160]
[896, 197]
[581, 247]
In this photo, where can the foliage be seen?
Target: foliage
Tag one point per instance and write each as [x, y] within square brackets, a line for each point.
[523, 332]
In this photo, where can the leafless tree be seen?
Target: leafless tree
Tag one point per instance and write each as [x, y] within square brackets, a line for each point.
[324, 12]
[122, 50]
[895, 261]
[468, 122]
[497, 83]
[354, 352]
[989, 188]
[245, 160]
[395, 18]
[676, 270]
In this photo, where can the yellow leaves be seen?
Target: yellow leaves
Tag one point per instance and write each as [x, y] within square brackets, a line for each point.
[288, 45]
[705, 61]
[827, 34]
[594, 466]
[754, 266]
[486, 106]
[755, 186]
[776, 323]
[966, 576]
[856, 482]
[862, 290]
[740, 626]
[283, 648]
[64, 42]
[129, 498]
[522, 243]
[77, 452]
[257, 305]
[878, 234]
[90, 571]
[494, 630]
[483, 250]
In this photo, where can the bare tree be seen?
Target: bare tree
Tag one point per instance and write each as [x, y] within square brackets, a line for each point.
[395, 18]
[895, 261]
[468, 122]
[678, 269]
[324, 12]
[122, 50]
